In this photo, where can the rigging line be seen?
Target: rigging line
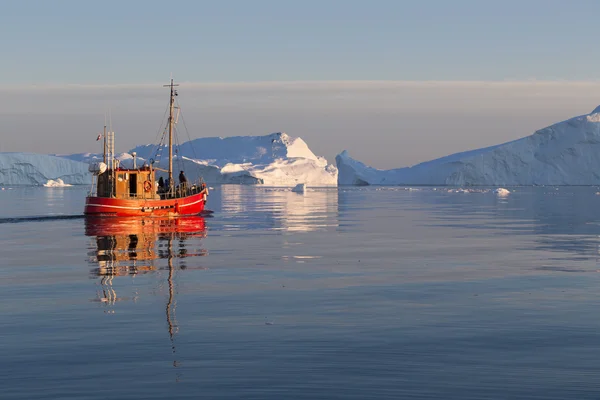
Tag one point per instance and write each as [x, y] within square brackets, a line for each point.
[186, 131]
[191, 145]
[158, 147]
[155, 150]
[180, 156]
[160, 127]
[178, 147]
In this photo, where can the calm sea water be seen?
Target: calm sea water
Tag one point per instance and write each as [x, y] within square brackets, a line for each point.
[350, 293]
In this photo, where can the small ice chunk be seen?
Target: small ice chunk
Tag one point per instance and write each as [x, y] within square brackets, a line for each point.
[56, 183]
[501, 192]
[299, 188]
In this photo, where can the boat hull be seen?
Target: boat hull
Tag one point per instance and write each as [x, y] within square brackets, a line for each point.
[189, 205]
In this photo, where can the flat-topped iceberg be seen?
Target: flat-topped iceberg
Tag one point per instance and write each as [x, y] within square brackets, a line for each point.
[566, 153]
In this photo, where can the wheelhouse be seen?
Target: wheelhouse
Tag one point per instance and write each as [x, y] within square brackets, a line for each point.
[128, 184]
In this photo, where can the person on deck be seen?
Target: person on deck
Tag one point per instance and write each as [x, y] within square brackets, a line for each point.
[182, 182]
[161, 184]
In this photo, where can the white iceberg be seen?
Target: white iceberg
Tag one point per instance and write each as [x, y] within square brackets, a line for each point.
[39, 169]
[566, 153]
[274, 160]
[237, 149]
[56, 183]
[501, 192]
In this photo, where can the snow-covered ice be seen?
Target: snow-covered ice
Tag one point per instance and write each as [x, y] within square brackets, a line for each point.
[566, 153]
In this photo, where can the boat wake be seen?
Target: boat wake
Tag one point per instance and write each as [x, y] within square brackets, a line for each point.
[16, 220]
[40, 218]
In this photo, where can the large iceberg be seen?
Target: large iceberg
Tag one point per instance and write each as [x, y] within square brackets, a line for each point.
[39, 169]
[237, 149]
[274, 160]
[566, 153]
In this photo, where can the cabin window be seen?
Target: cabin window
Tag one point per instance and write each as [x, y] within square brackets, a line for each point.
[133, 185]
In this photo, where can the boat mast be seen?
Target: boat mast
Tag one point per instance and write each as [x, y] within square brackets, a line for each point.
[104, 136]
[171, 105]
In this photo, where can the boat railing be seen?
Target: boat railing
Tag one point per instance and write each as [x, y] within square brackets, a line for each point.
[138, 196]
[181, 190]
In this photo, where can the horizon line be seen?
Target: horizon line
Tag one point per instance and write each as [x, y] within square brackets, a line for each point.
[309, 83]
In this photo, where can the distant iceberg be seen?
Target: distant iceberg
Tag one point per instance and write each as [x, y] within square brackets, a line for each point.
[39, 169]
[566, 153]
[275, 160]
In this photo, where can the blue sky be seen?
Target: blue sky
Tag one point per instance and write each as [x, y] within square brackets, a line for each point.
[385, 122]
[231, 41]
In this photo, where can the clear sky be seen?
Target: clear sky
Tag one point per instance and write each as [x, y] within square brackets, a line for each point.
[129, 41]
[141, 42]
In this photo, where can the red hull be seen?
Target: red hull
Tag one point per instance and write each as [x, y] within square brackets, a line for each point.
[190, 205]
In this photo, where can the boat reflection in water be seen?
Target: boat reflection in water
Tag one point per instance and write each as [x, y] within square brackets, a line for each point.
[132, 245]
[129, 246]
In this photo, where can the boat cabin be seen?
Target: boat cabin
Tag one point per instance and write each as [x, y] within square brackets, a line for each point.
[128, 184]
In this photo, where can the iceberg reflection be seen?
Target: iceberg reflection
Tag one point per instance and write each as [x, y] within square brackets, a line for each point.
[279, 208]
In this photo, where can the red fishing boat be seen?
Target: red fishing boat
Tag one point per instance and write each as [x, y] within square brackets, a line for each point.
[118, 191]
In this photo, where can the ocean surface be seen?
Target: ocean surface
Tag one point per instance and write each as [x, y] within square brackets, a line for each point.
[349, 293]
